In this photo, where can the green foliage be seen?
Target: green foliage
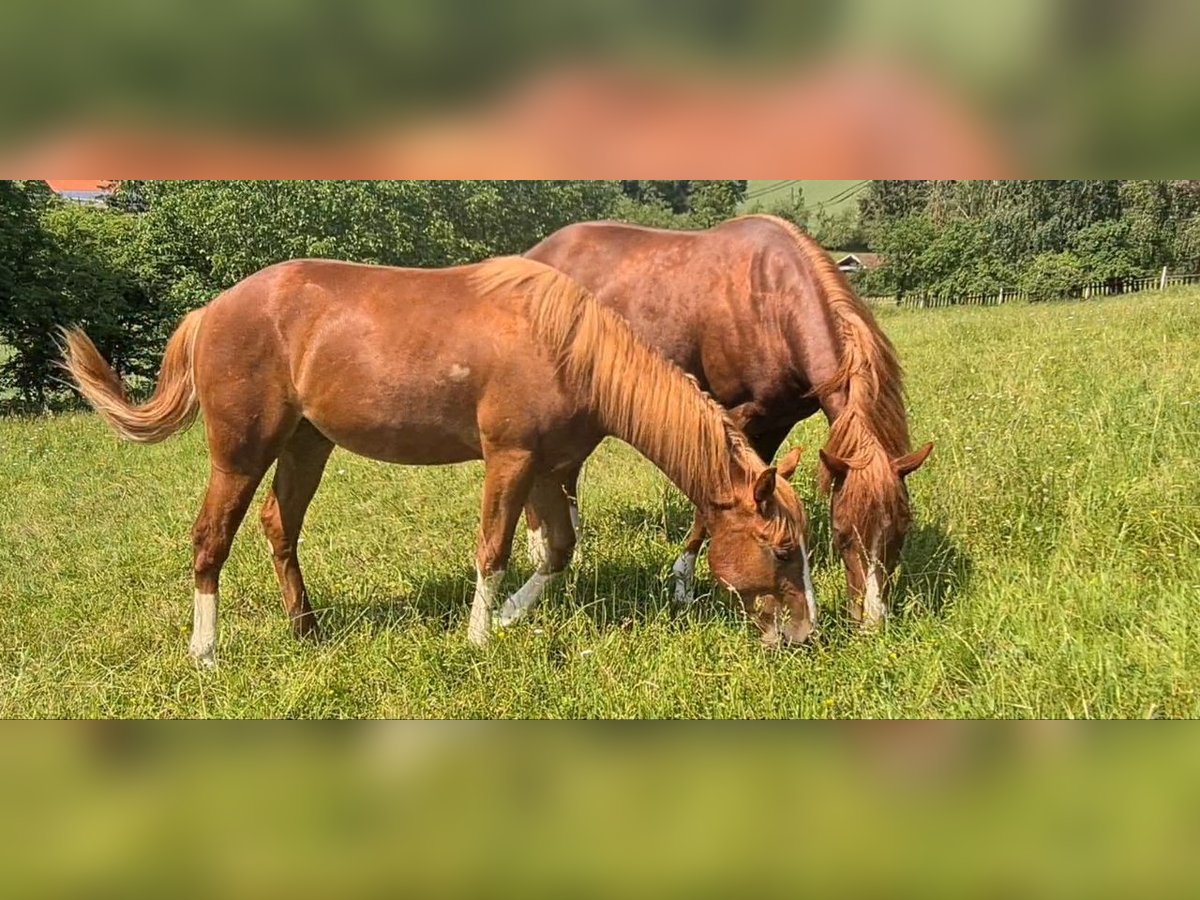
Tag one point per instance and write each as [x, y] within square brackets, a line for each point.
[220, 232]
[1050, 276]
[712, 201]
[791, 207]
[27, 300]
[903, 245]
[1105, 251]
[984, 235]
[840, 230]
[686, 205]
[127, 273]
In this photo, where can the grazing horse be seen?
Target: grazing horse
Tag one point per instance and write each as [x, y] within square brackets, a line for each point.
[508, 360]
[759, 314]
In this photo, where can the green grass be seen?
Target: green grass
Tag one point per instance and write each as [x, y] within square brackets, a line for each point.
[832, 194]
[1053, 569]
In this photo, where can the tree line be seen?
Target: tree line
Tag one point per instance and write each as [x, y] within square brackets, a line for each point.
[1045, 238]
[128, 270]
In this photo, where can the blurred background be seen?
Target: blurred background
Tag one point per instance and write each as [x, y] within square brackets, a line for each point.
[448, 809]
[599, 88]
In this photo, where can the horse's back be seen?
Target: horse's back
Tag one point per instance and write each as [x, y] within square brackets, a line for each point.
[390, 363]
[700, 298]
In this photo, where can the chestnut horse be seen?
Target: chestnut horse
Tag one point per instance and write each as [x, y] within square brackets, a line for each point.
[509, 361]
[759, 314]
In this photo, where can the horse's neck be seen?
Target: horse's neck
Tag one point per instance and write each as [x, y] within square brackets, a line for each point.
[813, 356]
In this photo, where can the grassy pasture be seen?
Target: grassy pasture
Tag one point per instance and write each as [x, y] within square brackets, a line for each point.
[830, 193]
[1053, 569]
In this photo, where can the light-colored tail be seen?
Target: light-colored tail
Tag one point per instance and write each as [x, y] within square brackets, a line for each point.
[174, 404]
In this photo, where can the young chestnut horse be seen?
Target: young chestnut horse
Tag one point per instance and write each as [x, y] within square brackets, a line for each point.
[509, 361]
[759, 314]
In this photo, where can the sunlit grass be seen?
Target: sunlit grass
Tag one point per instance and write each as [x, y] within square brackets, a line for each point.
[1053, 569]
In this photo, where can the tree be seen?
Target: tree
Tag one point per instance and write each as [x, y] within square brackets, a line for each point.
[884, 203]
[27, 300]
[839, 231]
[903, 245]
[1050, 276]
[712, 202]
[1105, 251]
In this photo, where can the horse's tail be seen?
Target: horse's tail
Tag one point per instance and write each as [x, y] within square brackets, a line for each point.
[173, 406]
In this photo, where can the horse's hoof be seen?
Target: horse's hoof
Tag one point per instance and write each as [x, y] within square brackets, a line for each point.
[204, 659]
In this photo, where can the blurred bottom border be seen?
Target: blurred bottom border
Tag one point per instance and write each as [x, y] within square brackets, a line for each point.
[448, 809]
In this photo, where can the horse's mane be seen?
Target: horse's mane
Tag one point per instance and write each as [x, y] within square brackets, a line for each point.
[636, 394]
[872, 429]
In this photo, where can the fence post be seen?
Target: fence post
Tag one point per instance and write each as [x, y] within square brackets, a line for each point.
[1162, 284]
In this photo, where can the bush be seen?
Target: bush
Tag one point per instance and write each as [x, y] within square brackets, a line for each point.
[1050, 276]
[1106, 252]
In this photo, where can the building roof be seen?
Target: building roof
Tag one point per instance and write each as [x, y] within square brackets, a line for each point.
[82, 190]
[80, 185]
[863, 259]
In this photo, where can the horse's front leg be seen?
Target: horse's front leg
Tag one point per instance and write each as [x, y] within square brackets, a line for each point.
[683, 572]
[549, 505]
[507, 478]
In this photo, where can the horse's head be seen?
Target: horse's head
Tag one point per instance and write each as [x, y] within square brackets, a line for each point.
[871, 515]
[759, 551]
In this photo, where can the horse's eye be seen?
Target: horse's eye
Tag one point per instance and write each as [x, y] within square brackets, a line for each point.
[783, 554]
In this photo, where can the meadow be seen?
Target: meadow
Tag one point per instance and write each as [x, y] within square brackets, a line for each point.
[832, 195]
[1053, 569]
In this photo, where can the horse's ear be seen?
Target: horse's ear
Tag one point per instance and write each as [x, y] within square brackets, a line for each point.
[787, 465]
[837, 466]
[764, 485]
[906, 465]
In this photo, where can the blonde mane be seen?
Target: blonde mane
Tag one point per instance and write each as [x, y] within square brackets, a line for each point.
[636, 394]
[872, 429]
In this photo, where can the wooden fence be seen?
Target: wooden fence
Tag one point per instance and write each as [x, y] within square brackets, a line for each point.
[1007, 295]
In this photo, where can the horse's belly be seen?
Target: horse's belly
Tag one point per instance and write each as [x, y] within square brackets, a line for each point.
[402, 426]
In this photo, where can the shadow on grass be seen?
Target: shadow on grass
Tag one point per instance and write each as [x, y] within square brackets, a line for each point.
[626, 594]
[933, 570]
[608, 593]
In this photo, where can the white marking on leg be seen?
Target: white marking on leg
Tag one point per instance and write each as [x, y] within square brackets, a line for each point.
[538, 547]
[203, 646]
[683, 573]
[516, 606]
[810, 596]
[486, 587]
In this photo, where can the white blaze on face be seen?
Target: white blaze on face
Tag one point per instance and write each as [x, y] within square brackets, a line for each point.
[810, 596]
[515, 607]
[486, 587]
[683, 574]
[874, 610]
[203, 646]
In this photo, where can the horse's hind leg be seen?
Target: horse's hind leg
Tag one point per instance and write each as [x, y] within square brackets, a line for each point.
[297, 475]
[550, 504]
[229, 494]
